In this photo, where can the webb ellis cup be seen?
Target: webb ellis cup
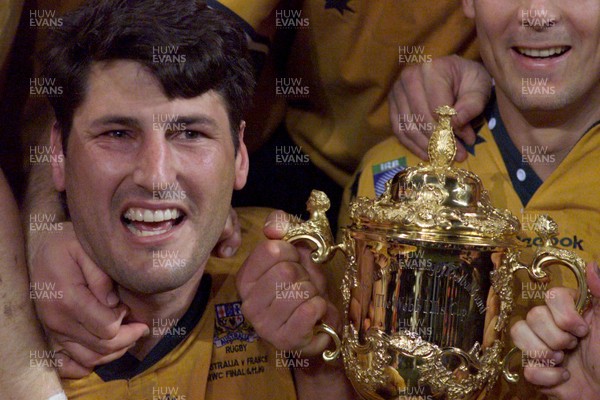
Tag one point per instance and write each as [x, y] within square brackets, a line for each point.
[428, 284]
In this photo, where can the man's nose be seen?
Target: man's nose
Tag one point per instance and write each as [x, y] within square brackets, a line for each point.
[539, 14]
[155, 164]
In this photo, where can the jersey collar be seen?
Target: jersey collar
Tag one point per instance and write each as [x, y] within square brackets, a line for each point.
[128, 366]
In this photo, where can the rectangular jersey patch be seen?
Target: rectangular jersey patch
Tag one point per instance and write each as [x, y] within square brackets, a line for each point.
[385, 171]
[230, 325]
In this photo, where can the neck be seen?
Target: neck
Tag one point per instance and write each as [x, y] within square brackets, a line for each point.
[547, 133]
[161, 309]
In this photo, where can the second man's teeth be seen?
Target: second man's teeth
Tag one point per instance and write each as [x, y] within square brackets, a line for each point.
[542, 53]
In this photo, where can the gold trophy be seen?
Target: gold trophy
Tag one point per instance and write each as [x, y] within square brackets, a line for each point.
[428, 286]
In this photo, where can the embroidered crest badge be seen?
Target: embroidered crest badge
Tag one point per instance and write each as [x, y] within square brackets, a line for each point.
[230, 325]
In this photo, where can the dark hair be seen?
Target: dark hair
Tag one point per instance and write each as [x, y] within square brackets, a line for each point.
[214, 48]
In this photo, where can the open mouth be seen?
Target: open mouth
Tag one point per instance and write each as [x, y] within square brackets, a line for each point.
[550, 52]
[145, 222]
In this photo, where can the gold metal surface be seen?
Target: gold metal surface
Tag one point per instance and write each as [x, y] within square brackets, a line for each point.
[547, 255]
[435, 202]
[330, 355]
[428, 286]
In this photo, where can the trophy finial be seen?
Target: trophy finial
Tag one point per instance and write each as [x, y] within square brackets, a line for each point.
[442, 145]
[546, 228]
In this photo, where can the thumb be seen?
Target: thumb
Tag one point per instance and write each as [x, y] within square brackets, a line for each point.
[100, 284]
[473, 92]
[277, 224]
[471, 102]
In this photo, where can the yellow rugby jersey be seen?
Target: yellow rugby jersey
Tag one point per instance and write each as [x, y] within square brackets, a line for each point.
[570, 196]
[9, 19]
[343, 59]
[218, 357]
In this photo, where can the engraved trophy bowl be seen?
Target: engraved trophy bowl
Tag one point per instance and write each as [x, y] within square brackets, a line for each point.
[428, 285]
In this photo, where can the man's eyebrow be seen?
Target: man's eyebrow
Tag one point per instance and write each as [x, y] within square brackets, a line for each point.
[200, 119]
[197, 120]
[116, 120]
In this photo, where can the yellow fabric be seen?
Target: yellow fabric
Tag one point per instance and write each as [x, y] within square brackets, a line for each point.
[570, 196]
[349, 61]
[197, 369]
[9, 19]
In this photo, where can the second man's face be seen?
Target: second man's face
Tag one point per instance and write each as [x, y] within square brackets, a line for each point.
[543, 54]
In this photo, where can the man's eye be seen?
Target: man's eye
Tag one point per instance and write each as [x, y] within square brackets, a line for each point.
[116, 134]
[189, 135]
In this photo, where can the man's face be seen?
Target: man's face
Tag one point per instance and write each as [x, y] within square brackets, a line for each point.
[148, 179]
[543, 54]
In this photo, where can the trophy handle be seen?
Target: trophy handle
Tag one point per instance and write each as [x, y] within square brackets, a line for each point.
[316, 230]
[547, 255]
[329, 355]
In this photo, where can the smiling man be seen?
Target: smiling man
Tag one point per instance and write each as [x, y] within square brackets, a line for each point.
[536, 152]
[149, 144]
[117, 150]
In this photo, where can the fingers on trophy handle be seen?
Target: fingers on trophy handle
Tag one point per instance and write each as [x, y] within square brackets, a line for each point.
[316, 230]
[547, 255]
[329, 355]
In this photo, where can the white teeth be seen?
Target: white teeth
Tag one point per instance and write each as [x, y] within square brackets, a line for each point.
[542, 53]
[147, 215]
[137, 232]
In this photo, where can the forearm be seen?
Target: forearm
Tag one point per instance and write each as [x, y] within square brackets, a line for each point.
[25, 372]
[42, 208]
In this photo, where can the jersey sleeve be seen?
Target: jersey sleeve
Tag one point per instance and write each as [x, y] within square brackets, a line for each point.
[254, 13]
[253, 17]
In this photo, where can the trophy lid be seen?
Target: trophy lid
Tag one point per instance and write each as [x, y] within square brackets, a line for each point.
[435, 202]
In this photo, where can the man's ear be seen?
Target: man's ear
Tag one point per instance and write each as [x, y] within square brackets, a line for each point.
[58, 157]
[468, 8]
[241, 160]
